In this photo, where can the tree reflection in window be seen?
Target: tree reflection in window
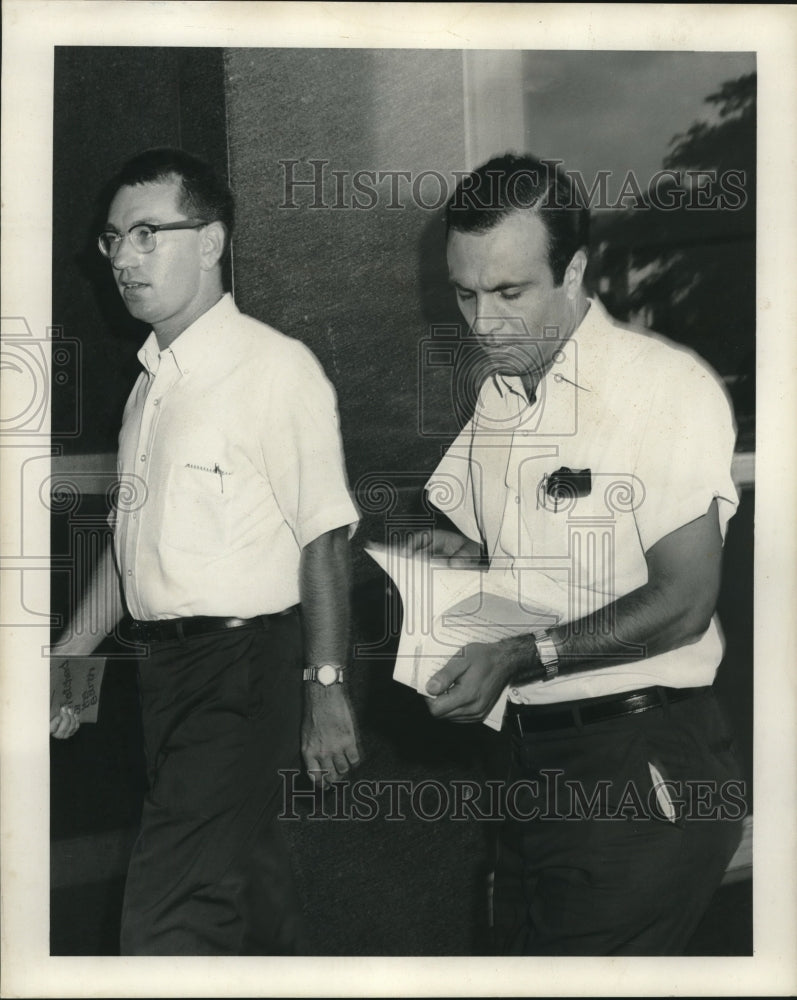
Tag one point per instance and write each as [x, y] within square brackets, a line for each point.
[683, 261]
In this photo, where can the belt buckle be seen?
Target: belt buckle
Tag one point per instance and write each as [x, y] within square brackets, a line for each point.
[136, 630]
[138, 633]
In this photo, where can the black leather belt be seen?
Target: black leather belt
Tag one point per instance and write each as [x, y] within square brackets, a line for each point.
[177, 629]
[526, 720]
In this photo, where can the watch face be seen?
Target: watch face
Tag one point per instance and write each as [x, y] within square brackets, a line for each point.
[326, 674]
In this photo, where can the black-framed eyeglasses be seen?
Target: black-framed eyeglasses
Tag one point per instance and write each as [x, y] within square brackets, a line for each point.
[143, 236]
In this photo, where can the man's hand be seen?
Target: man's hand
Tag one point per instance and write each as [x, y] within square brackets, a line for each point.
[329, 738]
[65, 724]
[471, 682]
[443, 544]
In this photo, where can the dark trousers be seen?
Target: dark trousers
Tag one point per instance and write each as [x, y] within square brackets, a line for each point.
[606, 865]
[210, 874]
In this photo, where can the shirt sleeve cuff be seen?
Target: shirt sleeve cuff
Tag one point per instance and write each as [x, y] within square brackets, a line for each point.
[343, 514]
[687, 510]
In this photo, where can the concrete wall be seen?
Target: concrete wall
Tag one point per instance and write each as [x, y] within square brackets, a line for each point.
[362, 287]
[109, 104]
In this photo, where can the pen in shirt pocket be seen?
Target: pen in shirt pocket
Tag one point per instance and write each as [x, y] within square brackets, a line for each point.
[216, 470]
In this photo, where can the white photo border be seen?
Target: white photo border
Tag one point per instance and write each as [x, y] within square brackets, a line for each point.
[31, 30]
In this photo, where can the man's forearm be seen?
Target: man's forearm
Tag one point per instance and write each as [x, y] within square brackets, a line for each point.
[329, 737]
[644, 623]
[671, 610]
[98, 613]
[324, 585]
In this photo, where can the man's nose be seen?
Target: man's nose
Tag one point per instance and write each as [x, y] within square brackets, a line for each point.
[126, 254]
[488, 327]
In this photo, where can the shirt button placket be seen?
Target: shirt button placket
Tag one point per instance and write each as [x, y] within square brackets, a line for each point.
[146, 434]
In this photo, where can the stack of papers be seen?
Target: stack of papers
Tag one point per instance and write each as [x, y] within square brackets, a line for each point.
[446, 608]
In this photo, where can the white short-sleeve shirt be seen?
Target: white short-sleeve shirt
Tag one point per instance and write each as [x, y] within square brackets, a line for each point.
[230, 462]
[652, 423]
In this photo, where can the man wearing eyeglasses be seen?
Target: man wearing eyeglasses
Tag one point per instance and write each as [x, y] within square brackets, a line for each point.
[231, 544]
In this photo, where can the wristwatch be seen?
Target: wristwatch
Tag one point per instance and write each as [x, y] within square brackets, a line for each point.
[548, 654]
[325, 674]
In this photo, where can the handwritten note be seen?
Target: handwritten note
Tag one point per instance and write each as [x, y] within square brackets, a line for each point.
[75, 682]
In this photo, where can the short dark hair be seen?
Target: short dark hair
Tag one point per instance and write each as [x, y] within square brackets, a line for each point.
[516, 183]
[204, 194]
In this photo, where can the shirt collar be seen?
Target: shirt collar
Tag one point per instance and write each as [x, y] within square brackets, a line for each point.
[197, 344]
[586, 338]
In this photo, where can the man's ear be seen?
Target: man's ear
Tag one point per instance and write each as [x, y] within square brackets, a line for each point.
[574, 275]
[212, 239]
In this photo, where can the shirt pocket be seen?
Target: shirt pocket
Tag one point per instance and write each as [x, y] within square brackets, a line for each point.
[198, 509]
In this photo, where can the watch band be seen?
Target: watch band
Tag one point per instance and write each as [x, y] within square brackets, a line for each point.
[548, 654]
